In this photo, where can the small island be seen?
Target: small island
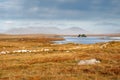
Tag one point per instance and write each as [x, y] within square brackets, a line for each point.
[81, 35]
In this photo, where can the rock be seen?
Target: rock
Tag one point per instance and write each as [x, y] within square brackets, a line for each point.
[21, 51]
[46, 50]
[88, 62]
[67, 51]
[4, 52]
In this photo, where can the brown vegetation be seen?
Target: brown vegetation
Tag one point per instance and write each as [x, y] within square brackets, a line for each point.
[57, 62]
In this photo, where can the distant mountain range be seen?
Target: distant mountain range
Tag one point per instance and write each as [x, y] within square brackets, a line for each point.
[47, 30]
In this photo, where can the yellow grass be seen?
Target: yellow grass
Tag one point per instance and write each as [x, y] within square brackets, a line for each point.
[60, 62]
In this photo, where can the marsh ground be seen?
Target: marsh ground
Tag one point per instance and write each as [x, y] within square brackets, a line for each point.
[51, 61]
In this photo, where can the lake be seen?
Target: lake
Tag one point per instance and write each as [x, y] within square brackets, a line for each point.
[87, 40]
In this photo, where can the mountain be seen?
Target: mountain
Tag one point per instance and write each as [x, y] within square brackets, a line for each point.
[46, 30]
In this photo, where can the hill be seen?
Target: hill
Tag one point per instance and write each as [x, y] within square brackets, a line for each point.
[46, 30]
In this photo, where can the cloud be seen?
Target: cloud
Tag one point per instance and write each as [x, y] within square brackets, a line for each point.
[10, 4]
[54, 9]
[63, 1]
[108, 24]
[95, 15]
[8, 22]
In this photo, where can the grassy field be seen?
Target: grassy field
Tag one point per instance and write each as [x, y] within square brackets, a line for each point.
[48, 61]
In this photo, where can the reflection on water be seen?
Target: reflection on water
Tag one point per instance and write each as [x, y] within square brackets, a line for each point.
[87, 40]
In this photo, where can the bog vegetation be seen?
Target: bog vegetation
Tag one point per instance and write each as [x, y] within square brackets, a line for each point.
[39, 59]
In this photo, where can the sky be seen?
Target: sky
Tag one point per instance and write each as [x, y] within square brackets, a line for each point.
[95, 16]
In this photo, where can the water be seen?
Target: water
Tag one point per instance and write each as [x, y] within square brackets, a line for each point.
[87, 40]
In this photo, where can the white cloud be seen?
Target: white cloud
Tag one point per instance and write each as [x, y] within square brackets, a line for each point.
[8, 22]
